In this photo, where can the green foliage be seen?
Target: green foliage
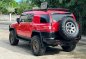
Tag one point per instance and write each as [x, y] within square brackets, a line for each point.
[5, 4]
[73, 5]
[24, 5]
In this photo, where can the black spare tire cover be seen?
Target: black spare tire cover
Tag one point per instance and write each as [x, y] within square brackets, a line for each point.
[69, 29]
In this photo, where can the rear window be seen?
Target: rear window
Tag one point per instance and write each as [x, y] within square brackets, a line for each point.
[58, 17]
[44, 18]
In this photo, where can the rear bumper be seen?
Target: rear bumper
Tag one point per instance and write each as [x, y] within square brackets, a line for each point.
[55, 39]
[51, 41]
[49, 38]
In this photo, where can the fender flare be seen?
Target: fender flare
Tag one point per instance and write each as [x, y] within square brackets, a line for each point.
[39, 34]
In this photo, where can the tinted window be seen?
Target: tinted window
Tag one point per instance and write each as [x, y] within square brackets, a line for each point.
[58, 17]
[44, 19]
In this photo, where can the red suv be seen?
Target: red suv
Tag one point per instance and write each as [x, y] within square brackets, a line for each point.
[45, 28]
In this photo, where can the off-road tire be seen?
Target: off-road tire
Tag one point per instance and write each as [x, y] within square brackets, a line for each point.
[37, 47]
[68, 34]
[12, 38]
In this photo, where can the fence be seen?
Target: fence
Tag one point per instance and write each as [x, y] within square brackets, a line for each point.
[7, 17]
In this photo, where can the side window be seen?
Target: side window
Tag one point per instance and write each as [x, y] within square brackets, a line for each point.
[44, 18]
[30, 17]
[22, 18]
[26, 18]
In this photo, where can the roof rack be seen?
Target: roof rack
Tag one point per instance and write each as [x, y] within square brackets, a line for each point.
[59, 9]
[36, 10]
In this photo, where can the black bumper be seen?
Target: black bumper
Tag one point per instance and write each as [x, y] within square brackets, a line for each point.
[55, 38]
[50, 38]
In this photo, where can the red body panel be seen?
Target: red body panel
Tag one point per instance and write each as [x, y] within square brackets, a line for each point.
[25, 28]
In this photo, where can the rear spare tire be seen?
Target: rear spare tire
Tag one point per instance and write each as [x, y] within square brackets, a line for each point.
[69, 29]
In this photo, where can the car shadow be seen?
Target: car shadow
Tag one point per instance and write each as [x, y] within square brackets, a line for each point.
[24, 48]
[52, 50]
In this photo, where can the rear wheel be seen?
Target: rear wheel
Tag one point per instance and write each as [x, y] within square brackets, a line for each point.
[68, 48]
[36, 46]
[12, 38]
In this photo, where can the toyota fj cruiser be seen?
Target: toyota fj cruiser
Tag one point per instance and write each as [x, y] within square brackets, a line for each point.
[43, 28]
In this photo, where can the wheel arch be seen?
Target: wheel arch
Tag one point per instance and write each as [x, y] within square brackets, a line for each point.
[11, 28]
[36, 33]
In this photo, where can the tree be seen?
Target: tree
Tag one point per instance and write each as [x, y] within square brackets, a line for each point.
[5, 4]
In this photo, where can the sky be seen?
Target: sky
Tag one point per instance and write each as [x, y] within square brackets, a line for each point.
[18, 0]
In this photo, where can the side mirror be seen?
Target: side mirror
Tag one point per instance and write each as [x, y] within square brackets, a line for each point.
[18, 20]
